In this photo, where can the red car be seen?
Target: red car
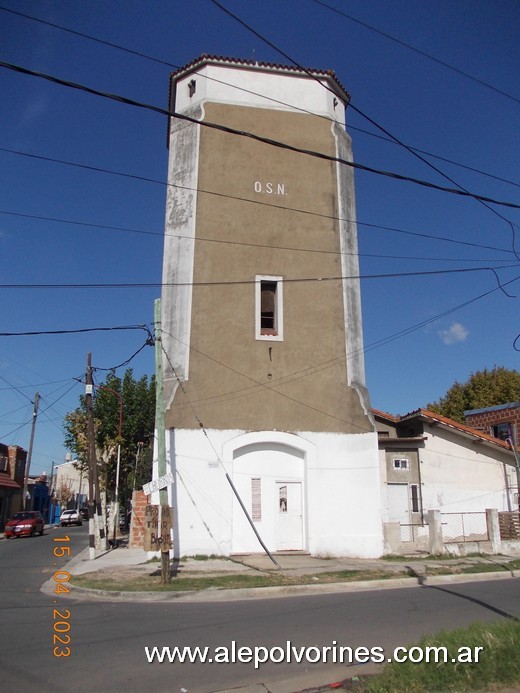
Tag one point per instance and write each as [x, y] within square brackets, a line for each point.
[25, 523]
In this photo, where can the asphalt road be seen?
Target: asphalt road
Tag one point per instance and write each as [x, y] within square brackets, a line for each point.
[108, 640]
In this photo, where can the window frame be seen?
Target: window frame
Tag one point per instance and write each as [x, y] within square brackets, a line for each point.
[256, 499]
[415, 498]
[277, 334]
[502, 430]
[398, 467]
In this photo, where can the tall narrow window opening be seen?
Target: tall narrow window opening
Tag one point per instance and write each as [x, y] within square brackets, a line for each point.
[414, 497]
[269, 308]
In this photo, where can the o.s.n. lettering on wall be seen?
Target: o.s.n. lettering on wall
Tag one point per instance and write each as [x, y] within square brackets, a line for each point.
[269, 188]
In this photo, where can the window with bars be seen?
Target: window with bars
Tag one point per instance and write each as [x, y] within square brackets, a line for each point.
[415, 502]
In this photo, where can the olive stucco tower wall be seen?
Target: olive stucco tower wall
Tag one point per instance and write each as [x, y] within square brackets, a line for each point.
[261, 317]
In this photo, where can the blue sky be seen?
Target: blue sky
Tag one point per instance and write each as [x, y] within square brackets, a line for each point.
[63, 225]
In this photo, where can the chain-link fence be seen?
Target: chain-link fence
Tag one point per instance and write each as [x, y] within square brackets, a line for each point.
[461, 527]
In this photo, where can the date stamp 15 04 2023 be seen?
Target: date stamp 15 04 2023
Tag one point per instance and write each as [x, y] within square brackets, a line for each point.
[61, 617]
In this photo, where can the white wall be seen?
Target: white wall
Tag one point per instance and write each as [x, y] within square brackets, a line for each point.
[341, 491]
[247, 86]
[461, 477]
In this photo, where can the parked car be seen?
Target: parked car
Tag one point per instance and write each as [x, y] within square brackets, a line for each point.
[70, 517]
[25, 523]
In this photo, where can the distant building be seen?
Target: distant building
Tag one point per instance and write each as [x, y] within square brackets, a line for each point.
[39, 493]
[12, 471]
[70, 485]
[501, 421]
[430, 462]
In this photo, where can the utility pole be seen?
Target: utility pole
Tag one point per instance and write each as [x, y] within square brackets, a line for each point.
[29, 456]
[92, 464]
[159, 425]
[513, 442]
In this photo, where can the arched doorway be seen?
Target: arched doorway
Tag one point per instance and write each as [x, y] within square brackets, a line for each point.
[269, 475]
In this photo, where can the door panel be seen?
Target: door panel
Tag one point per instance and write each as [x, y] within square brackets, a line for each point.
[290, 516]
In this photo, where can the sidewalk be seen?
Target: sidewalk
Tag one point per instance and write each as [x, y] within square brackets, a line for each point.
[125, 564]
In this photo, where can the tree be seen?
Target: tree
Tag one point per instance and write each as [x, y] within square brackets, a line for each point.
[486, 388]
[138, 421]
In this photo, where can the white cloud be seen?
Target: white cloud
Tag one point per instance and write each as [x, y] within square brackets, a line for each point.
[34, 110]
[455, 333]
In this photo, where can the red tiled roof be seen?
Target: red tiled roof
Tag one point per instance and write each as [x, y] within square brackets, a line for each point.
[205, 58]
[439, 418]
[385, 415]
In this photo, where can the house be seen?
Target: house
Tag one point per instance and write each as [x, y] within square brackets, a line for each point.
[270, 432]
[431, 462]
[70, 485]
[501, 421]
[12, 470]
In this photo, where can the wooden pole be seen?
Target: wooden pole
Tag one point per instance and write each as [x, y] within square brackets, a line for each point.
[159, 427]
[29, 456]
[91, 460]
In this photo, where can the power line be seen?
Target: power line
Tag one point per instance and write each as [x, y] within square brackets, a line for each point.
[245, 200]
[160, 61]
[149, 342]
[436, 156]
[78, 331]
[255, 137]
[291, 249]
[311, 370]
[417, 50]
[460, 189]
[221, 195]
[228, 282]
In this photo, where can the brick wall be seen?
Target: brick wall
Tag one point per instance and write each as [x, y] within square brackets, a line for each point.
[487, 419]
[16, 453]
[139, 502]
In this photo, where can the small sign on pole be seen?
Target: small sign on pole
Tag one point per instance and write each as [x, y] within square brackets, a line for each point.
[158, 484]
[158, 524]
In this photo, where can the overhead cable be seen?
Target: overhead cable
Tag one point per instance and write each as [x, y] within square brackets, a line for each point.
[155, 59]
[221, 195]
[460, 189]
[417, 50]
[255, 137]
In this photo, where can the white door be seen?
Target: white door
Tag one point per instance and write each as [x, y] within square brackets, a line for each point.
[398, 508]
[290, 516]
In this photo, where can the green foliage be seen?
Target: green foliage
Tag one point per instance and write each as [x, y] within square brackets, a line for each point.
[486, 388]
[124, 415]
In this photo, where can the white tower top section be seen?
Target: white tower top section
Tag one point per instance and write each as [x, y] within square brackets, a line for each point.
[259, 85]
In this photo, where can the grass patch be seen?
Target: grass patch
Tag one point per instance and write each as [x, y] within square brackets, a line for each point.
[152, 582]
[498, 663]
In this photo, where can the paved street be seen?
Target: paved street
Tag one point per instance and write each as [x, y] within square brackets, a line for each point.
[107, 640]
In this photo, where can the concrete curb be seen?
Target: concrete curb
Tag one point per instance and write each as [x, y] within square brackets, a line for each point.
[221, 595]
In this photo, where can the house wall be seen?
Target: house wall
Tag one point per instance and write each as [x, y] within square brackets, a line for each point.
[341, 515]
[463, 477]
[68, 478]
[390, 477]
